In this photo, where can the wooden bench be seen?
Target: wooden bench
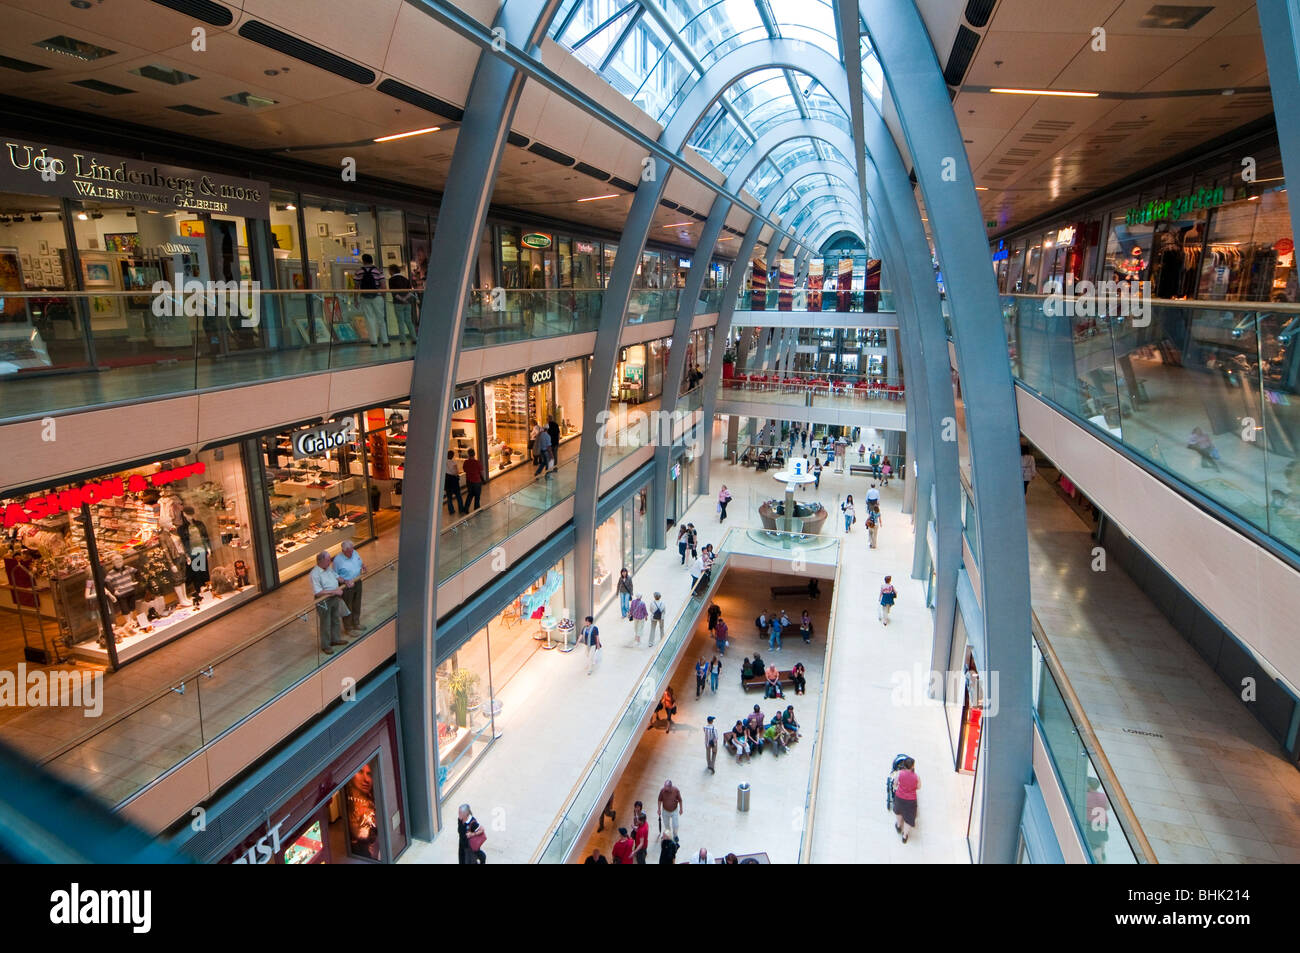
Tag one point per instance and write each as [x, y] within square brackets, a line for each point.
[787, 681]
[812, 590]
[863, 467]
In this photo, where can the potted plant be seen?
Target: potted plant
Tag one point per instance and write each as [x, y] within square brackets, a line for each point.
[461, 683]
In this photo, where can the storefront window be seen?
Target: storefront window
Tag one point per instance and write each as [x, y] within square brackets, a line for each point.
[34, 258]
[641, 519]
[316, 501]
[463, 692]
[608, 560]
[585, 271]
[611, 252]
[509, 421]
[386, 429]
[174, 548]
[570, 397]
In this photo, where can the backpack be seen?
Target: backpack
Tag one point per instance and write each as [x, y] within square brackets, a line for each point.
[368, 278]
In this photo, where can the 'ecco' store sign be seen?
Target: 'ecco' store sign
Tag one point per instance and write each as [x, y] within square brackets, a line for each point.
[39, 169]
[314, 441]
[540, 375]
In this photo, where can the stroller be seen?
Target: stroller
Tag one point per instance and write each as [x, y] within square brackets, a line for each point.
[889, 781]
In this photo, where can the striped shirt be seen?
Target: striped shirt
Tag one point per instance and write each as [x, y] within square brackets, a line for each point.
[710, 736]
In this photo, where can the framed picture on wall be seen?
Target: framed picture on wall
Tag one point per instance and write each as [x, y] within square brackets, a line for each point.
[97, 269]
[44, 247]
[27, 262]
[128, 242]
[191, 228]
[323, 229]
[391, 255]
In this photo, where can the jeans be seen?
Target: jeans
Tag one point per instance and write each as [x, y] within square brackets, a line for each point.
[473, 492]
[774, 640]
[624, 600]
[848, 522]
[376, 312]
[699, 685]
[681, 549]
[352, 599]
[405, 325]
[713, 681]
[451, 487]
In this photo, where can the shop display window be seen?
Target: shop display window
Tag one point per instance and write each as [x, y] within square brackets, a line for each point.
[570, 397]
[363, 812]
[608, 560]
[509, 418]
[173, 543]
[385, 463]
[34, 259]
[641, 545]
[462, 692]
[316, 502]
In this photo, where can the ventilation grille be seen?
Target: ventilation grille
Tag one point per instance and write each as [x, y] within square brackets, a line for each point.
[592, 171]
[102, 87]
[963, 48]
[22, 66]
[307, 52]
[555, 155]
[193, 110]
[623, 184]
[517, 140]
[432, 104]
[979, 11]
[204, 10]
[1037, 137]
[667, 204]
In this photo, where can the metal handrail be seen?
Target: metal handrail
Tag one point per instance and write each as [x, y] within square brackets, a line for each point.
[814, 781]
[1127, 817]
[1280, 307]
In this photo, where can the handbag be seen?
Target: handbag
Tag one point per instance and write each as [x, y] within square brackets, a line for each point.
[476, 840]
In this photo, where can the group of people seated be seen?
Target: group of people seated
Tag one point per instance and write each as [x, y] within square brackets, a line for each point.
[771, 675]
[750, 735]
[763, 458]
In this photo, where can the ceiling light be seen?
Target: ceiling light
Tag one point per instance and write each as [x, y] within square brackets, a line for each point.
[981, 188]
[290, 207]
[597, 198]
[1046, 92]
[677, 224]
[403, 135]
[83, 217]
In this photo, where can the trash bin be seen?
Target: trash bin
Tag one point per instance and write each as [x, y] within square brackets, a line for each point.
[742, 796]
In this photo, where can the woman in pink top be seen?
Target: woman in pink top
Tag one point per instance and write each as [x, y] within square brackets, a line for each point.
[905, 785]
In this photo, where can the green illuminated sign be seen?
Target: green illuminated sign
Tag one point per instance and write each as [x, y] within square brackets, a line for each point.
[1162, 209]
[536, 240]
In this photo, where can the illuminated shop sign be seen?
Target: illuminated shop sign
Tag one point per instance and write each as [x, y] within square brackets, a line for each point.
[97, 491]
[541, 375]
[683, 263]
[314, 441]
[463, 402]
[1065, 236]
[1161, 209]
[536, 240]
[39, 169]
[1001, 253]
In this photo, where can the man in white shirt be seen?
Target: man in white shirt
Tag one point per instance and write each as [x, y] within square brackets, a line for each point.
[329, 606]
[873, 503]
[1028, 468]
[349, 567]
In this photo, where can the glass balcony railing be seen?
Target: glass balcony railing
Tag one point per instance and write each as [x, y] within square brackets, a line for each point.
[819, 389]
[859, 302]
[62, 351]
[132, 749]
[1206, 391]
[1107, 826]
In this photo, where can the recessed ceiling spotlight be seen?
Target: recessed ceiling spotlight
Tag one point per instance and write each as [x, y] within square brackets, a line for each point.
[271, 72]
[81, 4]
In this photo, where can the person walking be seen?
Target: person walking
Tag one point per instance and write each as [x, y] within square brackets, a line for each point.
[328, 591]
[641, 834]
[638, 613]
[553, 431]
[849, 516]
[348, 566]
[624, 592]
[872, 529]
[886, 471]
[542, 450]
[774, 634]
[451, 485]
[370, 281]
[724, 497]
[806, 627]
[697, 570]
[671, 808]
[692, 540]
[906, 784]
[471, 836]
[715, 670]
[667, 705]
[817, 474]
[591, 639]
[862, 452]
[1028, 467]
[714, 612]
[710, 744]
[803, 437]
[657, 612]
[683, 541]
[720, 637]
[888, 595]
[1202, 443]
[403, 304]
[701, 676]
[472, 469]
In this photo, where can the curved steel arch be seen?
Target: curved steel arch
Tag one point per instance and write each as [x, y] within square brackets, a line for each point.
[815, 197]
[782, 133]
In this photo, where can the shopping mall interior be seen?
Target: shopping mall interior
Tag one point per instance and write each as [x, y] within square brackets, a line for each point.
[664, 431]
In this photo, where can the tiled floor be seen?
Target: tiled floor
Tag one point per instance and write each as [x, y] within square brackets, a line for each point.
[1213, 787]
[523, 781]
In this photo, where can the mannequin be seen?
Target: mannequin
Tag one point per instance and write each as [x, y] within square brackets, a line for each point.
[169, 509]
[176, 556]
[122, 583]
[198, 549]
